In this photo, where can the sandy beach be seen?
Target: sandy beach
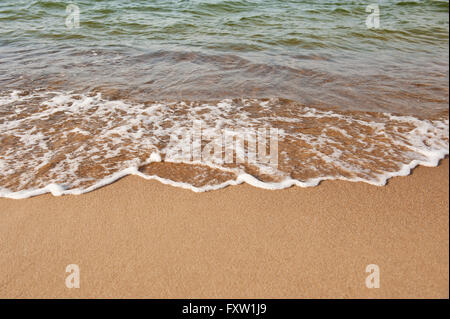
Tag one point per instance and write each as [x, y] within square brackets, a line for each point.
[149, 149]
[143, 239]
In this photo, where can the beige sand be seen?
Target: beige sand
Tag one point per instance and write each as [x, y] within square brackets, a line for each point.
[138, 238]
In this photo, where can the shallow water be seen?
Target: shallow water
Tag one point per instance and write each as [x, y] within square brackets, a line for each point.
[82, 106]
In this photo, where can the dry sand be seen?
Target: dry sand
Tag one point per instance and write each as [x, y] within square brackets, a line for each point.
[138, 238]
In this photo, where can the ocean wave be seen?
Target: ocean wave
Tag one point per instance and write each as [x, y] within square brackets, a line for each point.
[72, 143]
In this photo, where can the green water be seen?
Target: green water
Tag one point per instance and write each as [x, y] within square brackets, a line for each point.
[94, 90]
[315, 52]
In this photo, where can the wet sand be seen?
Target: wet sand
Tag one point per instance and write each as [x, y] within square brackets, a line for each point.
[139, 238]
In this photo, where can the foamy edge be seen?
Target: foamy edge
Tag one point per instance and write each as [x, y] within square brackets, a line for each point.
[432, 160]
[58, 190]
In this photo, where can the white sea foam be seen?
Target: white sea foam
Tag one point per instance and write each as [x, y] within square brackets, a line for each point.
[67, 130]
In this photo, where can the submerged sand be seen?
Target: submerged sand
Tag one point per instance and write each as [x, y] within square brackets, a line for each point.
[139, 238]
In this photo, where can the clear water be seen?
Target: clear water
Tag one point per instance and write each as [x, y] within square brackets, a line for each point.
[315, 52]
[188, 56]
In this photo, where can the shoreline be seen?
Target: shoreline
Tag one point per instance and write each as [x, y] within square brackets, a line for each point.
[138, 238]
[56, 190]
[73, 144]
